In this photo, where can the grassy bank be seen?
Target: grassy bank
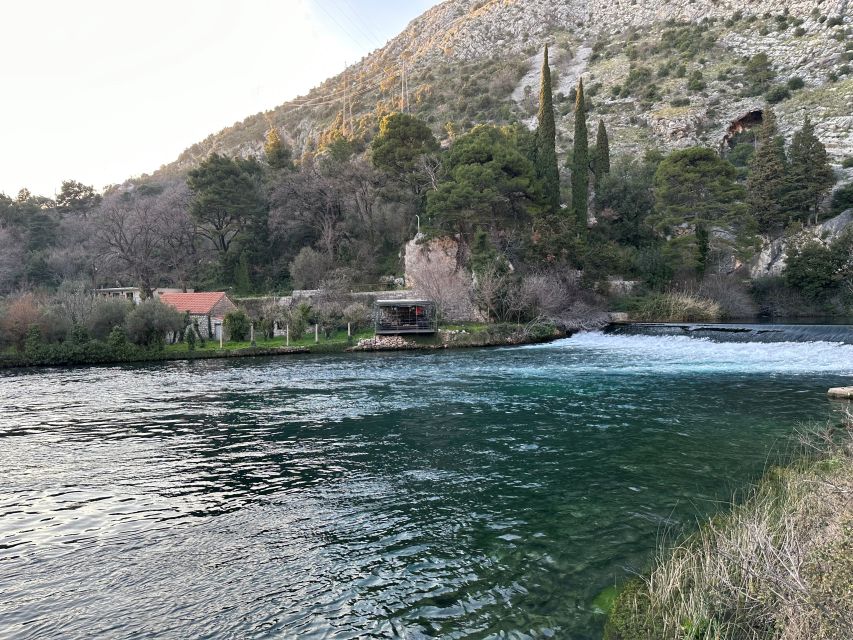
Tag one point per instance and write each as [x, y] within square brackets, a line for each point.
[95, 352]
[778, 566]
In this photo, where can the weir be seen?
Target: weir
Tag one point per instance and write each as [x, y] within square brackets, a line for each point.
[741, 332]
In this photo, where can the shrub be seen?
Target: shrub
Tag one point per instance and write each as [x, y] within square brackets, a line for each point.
[151, 321]
[847, 163]
[107, 314]
[21, 314]
[190, 338]
[117, 340]
[696, 82]
[680, 102]
[297, 319]
[358, 315]
[799, 32]
[842, 199]
[730, 294]
[758, 73]
[817, 270]
[796, 83]
[654, 268]
[33, 344]
[308, 268]
[777, 94]
[238, 325]
[77, 335]
[834, 21]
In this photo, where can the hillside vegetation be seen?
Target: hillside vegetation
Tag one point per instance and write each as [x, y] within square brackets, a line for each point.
[669, 168]
[667, 76]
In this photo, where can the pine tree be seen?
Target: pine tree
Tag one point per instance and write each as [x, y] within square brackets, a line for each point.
[809, 176]
[580, 162]
[279, 155]
[765, 187]
[546, 141]
[601, 162]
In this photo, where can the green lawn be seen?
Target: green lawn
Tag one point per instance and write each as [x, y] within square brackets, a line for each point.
[337, 339]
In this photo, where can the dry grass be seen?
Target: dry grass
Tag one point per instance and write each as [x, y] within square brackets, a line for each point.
[778, 566]
[677, 306]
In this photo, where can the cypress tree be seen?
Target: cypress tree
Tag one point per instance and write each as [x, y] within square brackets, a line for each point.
[546, 141]
[580, 162]
[601, 163]
[810, 175]
[765, 186]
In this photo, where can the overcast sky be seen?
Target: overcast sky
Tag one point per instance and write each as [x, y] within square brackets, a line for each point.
[102, 90]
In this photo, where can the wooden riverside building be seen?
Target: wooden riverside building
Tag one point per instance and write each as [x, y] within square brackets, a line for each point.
[394, 317]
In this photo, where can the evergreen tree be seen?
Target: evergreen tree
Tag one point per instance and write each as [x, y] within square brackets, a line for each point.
[695, 189]
[402, 147]
[601, 162]
[242, 280]
[489, 184]
[546, 141]
[765, 187]
[279, 155]
[809, 176]
[580, 162]
[229, 206]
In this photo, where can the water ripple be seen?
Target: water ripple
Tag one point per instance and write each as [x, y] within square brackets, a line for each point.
[455, 495]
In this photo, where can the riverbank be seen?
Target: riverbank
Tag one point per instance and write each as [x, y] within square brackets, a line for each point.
[466, 336]
[778, 565]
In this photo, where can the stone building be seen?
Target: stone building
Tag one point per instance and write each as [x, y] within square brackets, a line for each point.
[207, 308]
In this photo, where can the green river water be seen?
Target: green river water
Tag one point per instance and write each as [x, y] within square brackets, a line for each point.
[469, 494]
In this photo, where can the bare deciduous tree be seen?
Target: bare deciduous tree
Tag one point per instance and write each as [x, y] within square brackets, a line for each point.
[145, 236]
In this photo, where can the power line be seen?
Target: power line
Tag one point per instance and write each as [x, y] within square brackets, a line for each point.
[342, 27]
[326, 102]
[336, 94]
[359, 22]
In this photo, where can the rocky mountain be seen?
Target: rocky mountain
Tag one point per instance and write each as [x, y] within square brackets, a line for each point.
[659, 73]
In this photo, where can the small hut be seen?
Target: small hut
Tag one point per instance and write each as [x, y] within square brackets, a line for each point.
[394, 317]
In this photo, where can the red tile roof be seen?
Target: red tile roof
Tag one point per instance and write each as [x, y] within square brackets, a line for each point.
[200, 304]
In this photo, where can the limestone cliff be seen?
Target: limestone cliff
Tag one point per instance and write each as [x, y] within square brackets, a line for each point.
[653, 82]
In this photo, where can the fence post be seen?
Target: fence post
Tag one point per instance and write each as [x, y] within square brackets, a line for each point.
[316, 334]
[287, 334]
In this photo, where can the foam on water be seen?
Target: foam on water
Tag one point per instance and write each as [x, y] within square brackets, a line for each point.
[680, 354]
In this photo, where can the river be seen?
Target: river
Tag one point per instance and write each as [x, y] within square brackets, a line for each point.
[467, 494]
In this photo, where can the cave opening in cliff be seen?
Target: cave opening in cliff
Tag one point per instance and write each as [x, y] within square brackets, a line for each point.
[743, 129]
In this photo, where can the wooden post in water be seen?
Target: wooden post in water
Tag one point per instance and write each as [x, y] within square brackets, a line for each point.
[316, 334]
[349, 329]
[221, 334]
[287, 335]
[252, 334]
